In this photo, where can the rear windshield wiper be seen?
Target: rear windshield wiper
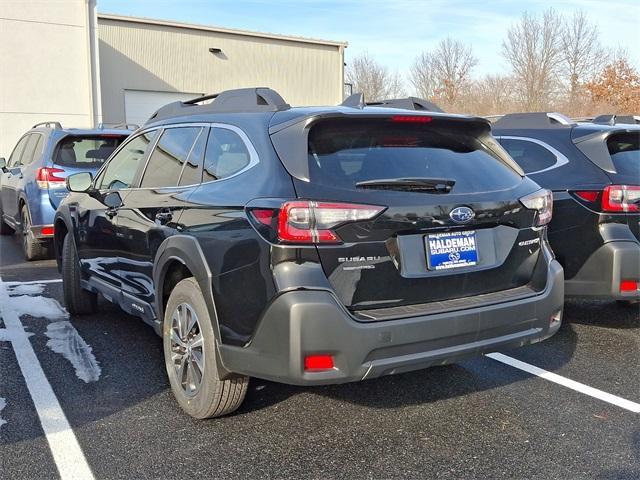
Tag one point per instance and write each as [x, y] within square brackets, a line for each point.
[433, 185]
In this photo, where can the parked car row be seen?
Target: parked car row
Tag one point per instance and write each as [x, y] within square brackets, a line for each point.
[332, 244]
[32, 182]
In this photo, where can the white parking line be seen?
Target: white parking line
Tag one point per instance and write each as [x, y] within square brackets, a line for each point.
[66, 451]
[566, 382]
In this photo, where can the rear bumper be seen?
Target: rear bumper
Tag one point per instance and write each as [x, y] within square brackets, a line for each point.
[602, 273]
[305, 322]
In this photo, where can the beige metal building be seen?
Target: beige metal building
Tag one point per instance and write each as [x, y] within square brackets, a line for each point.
[147, 63]
[60, 60]
[48, 66]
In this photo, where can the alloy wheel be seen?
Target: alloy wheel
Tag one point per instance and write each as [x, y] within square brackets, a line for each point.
[187, 349]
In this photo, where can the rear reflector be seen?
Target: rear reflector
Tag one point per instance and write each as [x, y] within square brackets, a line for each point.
[318, 362]
[588, 195]
[628, 286]
[621, 198]
[46, 230]
[411, 118]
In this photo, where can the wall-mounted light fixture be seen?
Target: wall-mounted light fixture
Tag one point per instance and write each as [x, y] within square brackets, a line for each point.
[215, 51]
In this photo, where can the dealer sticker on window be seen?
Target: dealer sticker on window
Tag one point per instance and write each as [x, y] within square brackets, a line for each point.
[451, 250]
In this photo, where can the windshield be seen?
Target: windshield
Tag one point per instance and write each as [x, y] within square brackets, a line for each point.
[86, 151]
[344, 152]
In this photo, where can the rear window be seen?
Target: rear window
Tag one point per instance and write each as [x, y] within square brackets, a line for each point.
[624, 149]
[344, 152]
[86, 151]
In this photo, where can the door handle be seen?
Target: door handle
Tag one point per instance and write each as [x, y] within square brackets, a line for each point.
[164, 216]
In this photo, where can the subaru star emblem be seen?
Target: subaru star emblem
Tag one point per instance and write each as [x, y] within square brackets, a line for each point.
[462, 214]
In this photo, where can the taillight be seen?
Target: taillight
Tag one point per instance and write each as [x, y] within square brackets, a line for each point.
[621, 198]
[542, 202]
[47, 175]
[313, 222]
[318, 363]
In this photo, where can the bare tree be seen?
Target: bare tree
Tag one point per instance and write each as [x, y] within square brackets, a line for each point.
[444, 73]
[534, 50]
[582, 55]
[372, 79]
[492, 95]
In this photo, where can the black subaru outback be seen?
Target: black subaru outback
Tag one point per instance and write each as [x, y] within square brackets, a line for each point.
[594, 173]
[311, 245]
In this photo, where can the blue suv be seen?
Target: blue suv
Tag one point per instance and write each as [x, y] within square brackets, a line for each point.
[32, 181]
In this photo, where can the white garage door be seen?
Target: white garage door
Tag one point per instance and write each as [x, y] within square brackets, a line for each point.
[139, 105]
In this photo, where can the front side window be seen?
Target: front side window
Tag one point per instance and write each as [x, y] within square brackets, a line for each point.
[169, 156]
[14, 159]
[531, 156]
[86, 151]
[226, 155]
[122, 168]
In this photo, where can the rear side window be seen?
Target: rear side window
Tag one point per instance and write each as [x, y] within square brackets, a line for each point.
[86, 151]
[624, 149]
[169, 156]
[226, 155]
[531, 156]
[30, 149]
[344, 152]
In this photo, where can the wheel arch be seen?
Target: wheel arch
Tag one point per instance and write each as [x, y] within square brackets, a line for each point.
[182, 254]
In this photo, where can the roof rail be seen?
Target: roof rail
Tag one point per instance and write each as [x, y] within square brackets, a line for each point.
[611, 119]
[409, 103]
[534, 120]
[356, 100]
[56, 125]
[241, 100]
[127, 126]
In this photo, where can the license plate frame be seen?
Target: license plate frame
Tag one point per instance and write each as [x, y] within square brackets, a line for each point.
[451, 250]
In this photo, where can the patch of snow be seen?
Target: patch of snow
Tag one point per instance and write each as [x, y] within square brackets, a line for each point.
[3, 403]
[26, 289]
[41, 307]
[65, 340]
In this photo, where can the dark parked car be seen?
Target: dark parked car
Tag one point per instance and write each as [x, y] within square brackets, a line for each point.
[594, 173]
[32, 181]
[311, 245]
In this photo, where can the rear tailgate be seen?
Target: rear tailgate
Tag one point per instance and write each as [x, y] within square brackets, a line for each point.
[427, 245]
[79, 153]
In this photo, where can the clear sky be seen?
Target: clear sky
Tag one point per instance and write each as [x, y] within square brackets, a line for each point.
[393, 32]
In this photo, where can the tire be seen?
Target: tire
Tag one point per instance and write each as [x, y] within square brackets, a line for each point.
[33, 249]
[211, 397]
[77, 300]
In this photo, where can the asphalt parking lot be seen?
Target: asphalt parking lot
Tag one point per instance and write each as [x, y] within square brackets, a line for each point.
[89, 397]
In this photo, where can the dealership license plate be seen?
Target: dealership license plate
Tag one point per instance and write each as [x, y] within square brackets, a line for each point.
[452, 250]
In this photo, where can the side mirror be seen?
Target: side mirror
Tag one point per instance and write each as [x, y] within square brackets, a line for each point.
[79, 182]
[113, 200]
[3, 164]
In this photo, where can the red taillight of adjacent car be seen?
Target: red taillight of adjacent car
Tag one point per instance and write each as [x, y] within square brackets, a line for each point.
[588, 195]
[629, 286]
[621, 198]
[49, 175]
[305, 222]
